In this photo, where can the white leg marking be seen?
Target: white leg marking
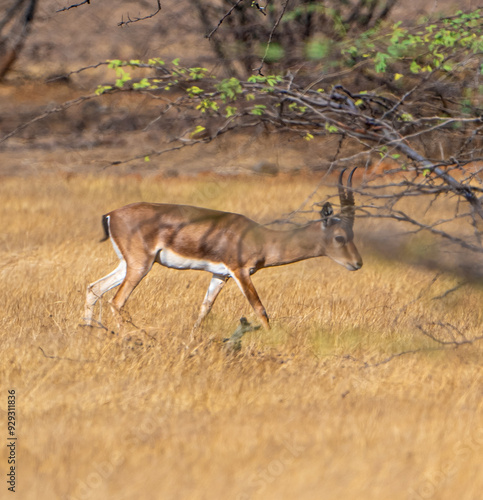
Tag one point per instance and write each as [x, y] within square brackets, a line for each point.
[116, 248]
[97, 289]
[239, 285]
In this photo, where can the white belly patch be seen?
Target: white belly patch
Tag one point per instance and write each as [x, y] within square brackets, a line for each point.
[175, 261]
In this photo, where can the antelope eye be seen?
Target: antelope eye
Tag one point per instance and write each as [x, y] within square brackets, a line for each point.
[340, 240]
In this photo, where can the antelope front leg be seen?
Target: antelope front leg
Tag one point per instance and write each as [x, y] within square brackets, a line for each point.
[242, 277]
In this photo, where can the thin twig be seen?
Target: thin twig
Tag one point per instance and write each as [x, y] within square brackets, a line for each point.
[403, 353]
[222, 130]
[451, 290]
[403, 309]
[73, 6]
[56, 109]
[275, 26]
[445, 346]
[220, 22]
[454, 343]
[61, 358]
[76, 71]
[137, 19]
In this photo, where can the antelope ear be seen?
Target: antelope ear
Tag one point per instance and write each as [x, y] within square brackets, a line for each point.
[326, 212]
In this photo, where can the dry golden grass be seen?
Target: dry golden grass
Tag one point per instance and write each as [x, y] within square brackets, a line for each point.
[304, 411]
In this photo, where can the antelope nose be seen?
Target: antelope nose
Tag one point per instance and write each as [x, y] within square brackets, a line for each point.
[356, 266]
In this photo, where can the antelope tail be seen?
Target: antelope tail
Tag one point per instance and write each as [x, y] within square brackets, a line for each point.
[105, 226]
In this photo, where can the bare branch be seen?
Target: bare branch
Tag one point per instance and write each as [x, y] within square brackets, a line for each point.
[62, 358]
[122, 23]
[12, 43]
[76, 72]
[453, 343]
[47, 113]
[402, 353]
[277, 22]
[220, 22]
[137, 19]
[451, 290]
[225, 128]
[73, 6]
[444, 346]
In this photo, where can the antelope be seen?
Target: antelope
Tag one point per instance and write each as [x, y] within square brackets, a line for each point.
[225, 244]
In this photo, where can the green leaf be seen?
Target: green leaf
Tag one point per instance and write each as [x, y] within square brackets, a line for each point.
[197, 130]
[122, 77]
[415, 67]
[230, 111]
[103, 88]
[143, 84]
[380, 62]
[272, 80]
[120, 83]
[197, 73]
[115, 63]
[194, 90]
[258, 109]
[229, 88]
[207, 105]
[156, 61]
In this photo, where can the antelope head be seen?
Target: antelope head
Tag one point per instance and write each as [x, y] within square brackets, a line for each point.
[338, 228]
